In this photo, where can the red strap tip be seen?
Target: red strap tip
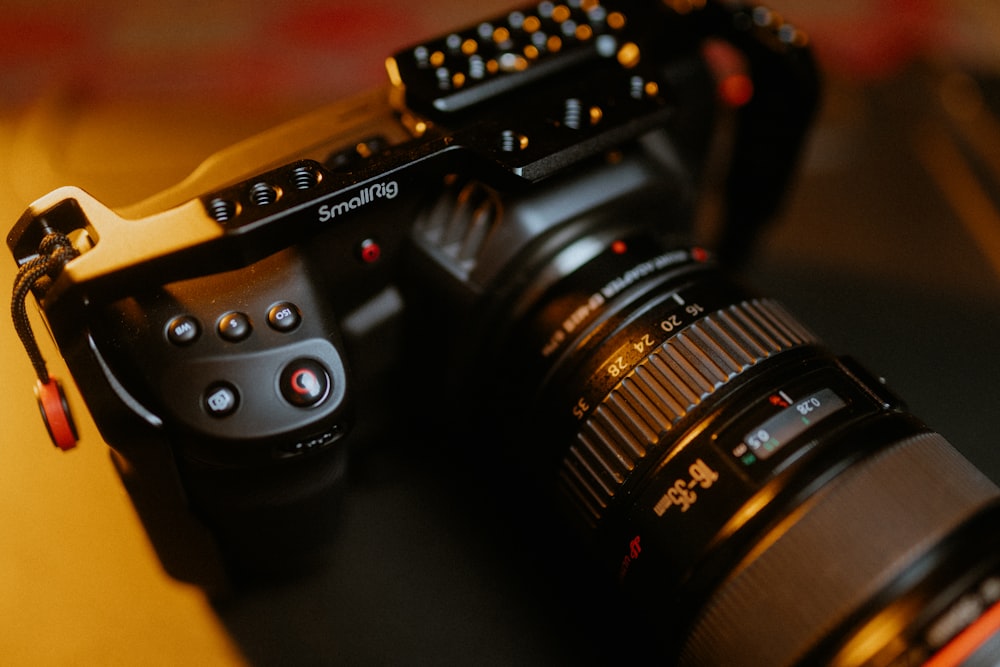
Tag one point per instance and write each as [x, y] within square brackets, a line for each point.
[56, 414]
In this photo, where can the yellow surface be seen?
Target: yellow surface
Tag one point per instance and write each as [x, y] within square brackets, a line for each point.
[79, 582]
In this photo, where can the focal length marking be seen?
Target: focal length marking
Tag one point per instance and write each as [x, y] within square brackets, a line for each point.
[682, 493]
[386, 190]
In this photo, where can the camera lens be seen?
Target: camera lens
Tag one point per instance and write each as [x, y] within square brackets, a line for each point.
[760, 499]
[763, 501]
[756, 491]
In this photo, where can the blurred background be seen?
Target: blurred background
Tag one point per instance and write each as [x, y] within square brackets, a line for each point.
[889, 248]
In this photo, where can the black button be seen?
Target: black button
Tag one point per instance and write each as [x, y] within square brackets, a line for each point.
[221, 399]
[183, 330]
[283, 316]
[304, 383]
[234, 326]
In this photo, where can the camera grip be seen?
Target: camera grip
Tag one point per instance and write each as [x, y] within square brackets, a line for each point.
[225, 399]
[222, 529]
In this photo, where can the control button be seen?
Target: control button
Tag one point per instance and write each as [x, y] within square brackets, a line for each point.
[284, 316]
[221, 399]
[234, 326]
[304, 383]
[183, 330]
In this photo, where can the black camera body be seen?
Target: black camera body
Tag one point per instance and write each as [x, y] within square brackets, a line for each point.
[188, 321]
[503, 239]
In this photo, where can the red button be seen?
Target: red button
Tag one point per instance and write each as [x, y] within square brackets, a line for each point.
[304, 383]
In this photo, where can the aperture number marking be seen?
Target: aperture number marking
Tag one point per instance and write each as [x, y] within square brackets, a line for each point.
[643, 344]
[671, 323]
[630, 353]
[621, 362]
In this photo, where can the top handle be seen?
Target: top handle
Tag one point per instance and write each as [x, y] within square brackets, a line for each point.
[494, 60]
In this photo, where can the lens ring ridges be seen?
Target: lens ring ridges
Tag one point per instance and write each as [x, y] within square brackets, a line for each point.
[664, 387]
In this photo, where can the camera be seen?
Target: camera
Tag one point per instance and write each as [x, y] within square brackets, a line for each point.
[501, 245]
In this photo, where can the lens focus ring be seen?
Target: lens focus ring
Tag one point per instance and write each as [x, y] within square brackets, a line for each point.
[664, 387]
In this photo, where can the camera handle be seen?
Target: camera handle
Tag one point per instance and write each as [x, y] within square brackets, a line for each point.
[771, 127]
[771, 120]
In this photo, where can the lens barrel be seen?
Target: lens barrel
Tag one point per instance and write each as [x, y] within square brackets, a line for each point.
[762, 500]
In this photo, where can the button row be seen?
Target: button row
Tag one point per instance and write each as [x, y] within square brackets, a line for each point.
[233, 326]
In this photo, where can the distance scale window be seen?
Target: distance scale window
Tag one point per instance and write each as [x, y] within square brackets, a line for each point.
[776, 426]
[796, 417]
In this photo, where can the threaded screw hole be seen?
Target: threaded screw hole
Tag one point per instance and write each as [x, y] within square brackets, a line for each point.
[263, 194]
[305, 177]
[572, 111]
[222, 210]
[511, 141]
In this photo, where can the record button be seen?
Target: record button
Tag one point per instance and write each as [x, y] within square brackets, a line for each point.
[304, 383]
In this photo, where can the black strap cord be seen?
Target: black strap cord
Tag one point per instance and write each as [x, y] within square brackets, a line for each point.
[54, 252]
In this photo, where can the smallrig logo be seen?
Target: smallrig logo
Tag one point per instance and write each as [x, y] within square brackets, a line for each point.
[366, 196]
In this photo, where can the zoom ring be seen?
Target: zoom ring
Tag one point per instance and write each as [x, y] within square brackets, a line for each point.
[664, 387]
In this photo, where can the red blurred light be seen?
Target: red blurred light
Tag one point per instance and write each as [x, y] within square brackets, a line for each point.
[370, 251]
[736, 90]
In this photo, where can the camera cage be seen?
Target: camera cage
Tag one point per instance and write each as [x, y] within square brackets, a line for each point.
[355, 171]
[497, 106]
